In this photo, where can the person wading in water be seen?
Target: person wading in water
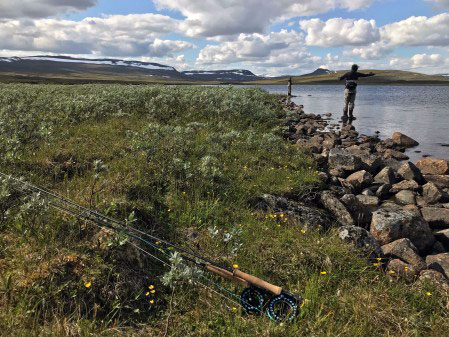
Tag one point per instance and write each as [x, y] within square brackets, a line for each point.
[351, 91]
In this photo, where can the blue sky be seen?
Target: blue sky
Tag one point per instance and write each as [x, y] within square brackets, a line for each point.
[267, 37]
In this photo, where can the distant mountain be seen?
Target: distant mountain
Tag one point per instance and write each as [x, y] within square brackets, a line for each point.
[62, 67]
[320, 71]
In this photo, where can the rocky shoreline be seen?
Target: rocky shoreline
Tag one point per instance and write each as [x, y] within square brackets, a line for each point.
[396, 212]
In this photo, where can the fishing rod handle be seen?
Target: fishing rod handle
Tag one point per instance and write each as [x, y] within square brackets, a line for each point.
[227, 275]
[258, 282]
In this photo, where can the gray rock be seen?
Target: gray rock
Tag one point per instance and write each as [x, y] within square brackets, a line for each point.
[439, 263]
[443, 237]
[438, 218]
[435, 278]
[398, 269]
[337, 172]
[409, 185]
[360, 214]
[393, 163]
[368, 192]
[406, 251]
[361, 239]
[360, 180]
[431, 193]
[405, 198]
[336, 207]
[390, 153]
[410, 172]
[371, 202]
[386, 176]
[403, 140]
[442, 181]
[341, 159]
[390, 225]
[383, 191]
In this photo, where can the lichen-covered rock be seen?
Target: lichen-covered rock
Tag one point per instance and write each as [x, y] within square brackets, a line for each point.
[342, 159]
[383, 191]
[386, 176]
[406, 251]
[361, 239]
[390, 153]
[409, 185]
[371, 202]
[397, 269]
[433, 166]
[438, 218]
[405, 198]
[361, 214]
[410, 172]
[403, 140]
[435, 278]
[431, 193]
[439, 263]
[442, 181]
[360, 180]
[389, 225]
[336, 207]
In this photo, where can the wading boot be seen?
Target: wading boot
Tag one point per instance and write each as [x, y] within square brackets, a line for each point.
[351, 116]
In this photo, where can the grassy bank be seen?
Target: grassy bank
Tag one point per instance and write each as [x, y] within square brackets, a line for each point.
[184, 163]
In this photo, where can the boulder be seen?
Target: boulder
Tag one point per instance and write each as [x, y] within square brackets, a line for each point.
[336, 207]
[372, 163]
[361, 214]
[443, 237]
[383, 191]
[410, 172]
[433, 166]
[431, 193]
[398, 269]
[368, 192]
[439, 263]
[390, 153]
[438, 218]
[341, 159]
[403, 140]
[337, 172]
[442, 181]
[393, 163]
[371, 202]
[360, 180]
[435, 278]
[386, 176]
[409, 185]
[389, 225]
[361, 239]
[405, 198]
[406, 251]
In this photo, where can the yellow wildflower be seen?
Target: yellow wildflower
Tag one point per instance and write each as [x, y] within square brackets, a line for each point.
[158, 242]
[147, 294]
[303, 232]
[391, 272]
[151, 301]
[429, 293]
[153, 291]
[282, 215]
[88, 285]
[285, 219]
[406, 269]
[235, 266]
[379, 259]
[151, 287]
[234, 309]
[376, 264]
[323, 273]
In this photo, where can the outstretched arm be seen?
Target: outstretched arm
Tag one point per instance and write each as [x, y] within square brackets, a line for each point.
[366, 75]
[341, 78]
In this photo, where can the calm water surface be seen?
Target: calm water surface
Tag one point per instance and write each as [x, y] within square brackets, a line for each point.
[421, 112]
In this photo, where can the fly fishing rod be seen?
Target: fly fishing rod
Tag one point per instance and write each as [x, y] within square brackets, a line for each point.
[258, 297]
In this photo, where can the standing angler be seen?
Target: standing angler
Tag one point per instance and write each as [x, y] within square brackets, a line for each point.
[351, 90]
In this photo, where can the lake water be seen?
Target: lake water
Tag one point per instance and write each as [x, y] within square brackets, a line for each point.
[421, 112]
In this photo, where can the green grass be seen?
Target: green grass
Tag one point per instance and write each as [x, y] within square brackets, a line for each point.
[184, 163]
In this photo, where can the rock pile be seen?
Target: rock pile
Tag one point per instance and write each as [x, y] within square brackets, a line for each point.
[384, 203]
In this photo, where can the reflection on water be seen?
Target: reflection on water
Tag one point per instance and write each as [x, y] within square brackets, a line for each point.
[421, 112]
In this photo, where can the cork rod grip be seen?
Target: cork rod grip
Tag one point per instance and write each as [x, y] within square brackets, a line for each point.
[258, 282]
[227, 275]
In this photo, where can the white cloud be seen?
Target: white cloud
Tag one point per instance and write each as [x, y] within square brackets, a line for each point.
[118, 35]
[229, 17]
[418, 31]
[40, 8]
[339, 32]
[375, 51]
[433, 63]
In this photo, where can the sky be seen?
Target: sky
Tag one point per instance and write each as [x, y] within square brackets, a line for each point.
[268, 37]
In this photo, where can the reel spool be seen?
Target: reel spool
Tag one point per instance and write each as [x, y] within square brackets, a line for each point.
[252, 301]
[283, 308]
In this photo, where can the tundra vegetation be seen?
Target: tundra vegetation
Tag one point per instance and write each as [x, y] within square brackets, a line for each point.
[184, 163]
